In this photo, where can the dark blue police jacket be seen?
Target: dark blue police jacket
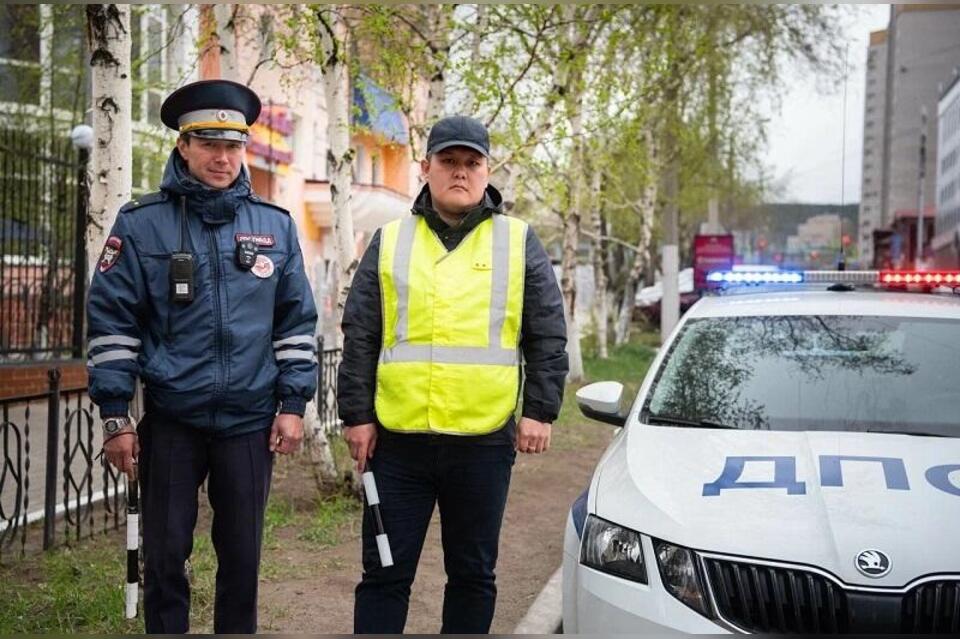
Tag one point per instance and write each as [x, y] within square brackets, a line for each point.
[246, 342]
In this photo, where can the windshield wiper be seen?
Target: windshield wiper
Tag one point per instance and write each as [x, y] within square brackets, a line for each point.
[917, 433]
[677, 420]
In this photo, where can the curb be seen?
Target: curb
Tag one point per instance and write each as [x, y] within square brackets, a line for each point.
[545, 615]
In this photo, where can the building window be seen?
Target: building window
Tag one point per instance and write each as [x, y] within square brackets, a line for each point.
[148, 57]
[360, 165]
[376, 172]
[70, 72]
[20, 53]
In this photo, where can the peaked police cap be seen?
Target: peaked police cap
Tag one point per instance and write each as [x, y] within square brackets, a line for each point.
[213, 109]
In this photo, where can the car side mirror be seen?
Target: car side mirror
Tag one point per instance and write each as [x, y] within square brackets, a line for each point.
[601, 401]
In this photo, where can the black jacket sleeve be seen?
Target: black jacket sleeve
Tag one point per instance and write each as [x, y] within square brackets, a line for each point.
[362, 327]
[543, 336]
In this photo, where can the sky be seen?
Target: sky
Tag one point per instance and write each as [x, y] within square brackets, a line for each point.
[804, 148]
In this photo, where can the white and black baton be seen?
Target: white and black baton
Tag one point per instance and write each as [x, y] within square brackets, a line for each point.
[133, 549]
[373, 500]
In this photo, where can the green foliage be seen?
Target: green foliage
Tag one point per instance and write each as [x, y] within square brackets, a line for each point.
[627, 364]
[81, 590]
[325, 526]
[66, 591]
[280, 513]
[202, 573]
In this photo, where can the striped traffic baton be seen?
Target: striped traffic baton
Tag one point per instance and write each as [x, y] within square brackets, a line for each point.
[373, 501]
[133, 548]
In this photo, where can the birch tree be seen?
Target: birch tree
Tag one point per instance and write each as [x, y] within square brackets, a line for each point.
[226, 33]
[334, 68]
[598, 226]
[108, 38]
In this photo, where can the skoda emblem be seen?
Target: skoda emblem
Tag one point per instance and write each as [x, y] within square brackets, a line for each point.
[873, 563]
[222, 116]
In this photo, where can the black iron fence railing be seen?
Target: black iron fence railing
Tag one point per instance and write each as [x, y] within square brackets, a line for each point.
[327, 386]
[43, 214]
[54, 489]
[51, 472]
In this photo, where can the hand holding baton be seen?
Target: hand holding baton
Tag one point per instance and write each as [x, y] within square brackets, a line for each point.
[132, 592]
[373, 500]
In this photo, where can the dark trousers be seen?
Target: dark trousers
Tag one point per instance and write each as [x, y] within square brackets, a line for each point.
[469, 483]
[174, 461]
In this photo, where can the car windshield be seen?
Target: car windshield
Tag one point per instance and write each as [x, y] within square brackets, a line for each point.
[817, 372]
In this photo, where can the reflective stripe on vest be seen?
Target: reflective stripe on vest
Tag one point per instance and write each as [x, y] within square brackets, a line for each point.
[432, 363]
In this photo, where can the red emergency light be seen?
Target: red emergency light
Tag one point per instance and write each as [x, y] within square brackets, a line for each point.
[920, 278]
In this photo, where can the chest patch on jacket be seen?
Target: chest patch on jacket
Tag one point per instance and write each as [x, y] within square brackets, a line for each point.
[263, 267]
[257, 238]
[110, 254]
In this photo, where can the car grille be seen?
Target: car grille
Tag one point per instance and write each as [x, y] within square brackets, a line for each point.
[759, 598]
[933, 607]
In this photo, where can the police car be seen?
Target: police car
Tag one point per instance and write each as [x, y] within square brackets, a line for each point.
[791, 463]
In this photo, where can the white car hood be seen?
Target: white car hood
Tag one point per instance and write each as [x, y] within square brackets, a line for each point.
[654, 482]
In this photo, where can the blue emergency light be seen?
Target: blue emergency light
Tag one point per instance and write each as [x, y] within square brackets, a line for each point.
[755, 277]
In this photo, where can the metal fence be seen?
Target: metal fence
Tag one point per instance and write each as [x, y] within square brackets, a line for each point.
[43, 214]
[327, 386]
[51, 473]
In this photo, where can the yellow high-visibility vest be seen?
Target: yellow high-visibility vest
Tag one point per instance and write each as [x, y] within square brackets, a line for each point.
[449, 362]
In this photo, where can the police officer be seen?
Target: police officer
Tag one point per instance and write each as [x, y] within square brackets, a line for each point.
[200, 292]
[442, 304]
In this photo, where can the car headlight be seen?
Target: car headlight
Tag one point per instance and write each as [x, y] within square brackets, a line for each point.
[678, 571]
[612, 549]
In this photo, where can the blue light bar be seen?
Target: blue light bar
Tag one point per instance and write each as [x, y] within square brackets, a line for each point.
[755, 277]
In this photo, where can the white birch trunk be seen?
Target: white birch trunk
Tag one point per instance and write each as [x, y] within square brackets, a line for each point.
[646, 211]
[600, 306]
[315, 440]
[571, 236]
[479, 30]
[183, 41]
[438, 18]
[225, 15]
[336, 90]
[108, 38]
[46, 48]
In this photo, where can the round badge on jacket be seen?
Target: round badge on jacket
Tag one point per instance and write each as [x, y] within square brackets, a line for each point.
[263, 267]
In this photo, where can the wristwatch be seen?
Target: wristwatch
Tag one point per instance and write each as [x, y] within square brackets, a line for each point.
[113, 425]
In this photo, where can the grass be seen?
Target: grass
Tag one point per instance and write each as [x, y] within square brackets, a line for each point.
[326, 525]
[66, 591]
[626, 364]
[81, 590]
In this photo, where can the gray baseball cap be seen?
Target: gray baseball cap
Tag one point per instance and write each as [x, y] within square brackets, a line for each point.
[459, 130]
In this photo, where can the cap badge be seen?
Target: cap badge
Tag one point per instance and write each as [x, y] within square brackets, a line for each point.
[222, 115]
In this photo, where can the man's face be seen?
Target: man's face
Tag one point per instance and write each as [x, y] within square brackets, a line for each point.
[216, 163]
[457, 177]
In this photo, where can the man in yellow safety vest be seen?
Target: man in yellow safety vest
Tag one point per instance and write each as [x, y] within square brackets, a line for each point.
[441, 308]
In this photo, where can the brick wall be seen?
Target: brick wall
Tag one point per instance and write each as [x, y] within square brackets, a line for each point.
[27, 379]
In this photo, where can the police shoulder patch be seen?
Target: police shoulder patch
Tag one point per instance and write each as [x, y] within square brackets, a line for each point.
[110, 254]
[146, 200]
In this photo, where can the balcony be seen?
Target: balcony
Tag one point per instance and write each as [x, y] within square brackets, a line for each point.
[373, 205]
